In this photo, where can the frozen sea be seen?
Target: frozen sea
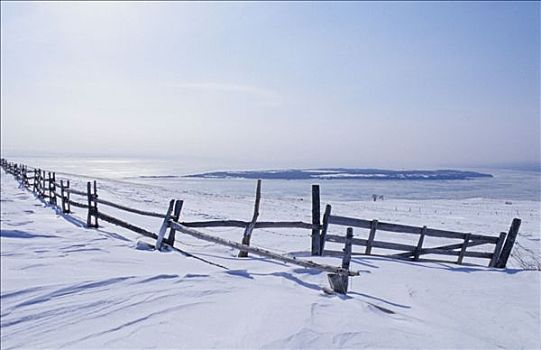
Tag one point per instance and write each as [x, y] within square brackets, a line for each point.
[504, 185]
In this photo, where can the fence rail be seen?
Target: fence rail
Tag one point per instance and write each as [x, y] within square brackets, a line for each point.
[46, 186]
[497, 257]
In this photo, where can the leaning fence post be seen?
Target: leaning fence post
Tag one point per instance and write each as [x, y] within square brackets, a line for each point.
[509, 242]
[165, 225]
[316, 215]
[419, 247]
[339, 281]
[250, 227]
[62, 194]
[324, 227]
[176, 217]
[463, 249]
[497, 250]
[371, 236]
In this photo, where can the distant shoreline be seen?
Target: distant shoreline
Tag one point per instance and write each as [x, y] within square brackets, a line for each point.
[339, 174]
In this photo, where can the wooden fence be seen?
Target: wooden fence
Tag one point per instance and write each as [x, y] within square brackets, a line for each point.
[497, 256]
[46, 186]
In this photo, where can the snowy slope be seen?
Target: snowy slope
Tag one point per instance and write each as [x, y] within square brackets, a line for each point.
[66, 286]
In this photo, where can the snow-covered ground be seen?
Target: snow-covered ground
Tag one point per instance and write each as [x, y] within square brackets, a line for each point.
[63, 285]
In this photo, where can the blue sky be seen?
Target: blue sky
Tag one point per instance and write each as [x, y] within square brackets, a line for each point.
[277, 84]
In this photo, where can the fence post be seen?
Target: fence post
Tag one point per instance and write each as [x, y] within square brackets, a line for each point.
[463, 249]
[53, 187]
[339, 281]
[34, 183]
[324, 227]
[165, 225]
[316, 215]
[62, 194]
[419, 244]
[497, 250]
[509, 242]
[176, 217]
[68, 196]
[250, 227]
[371, 236]
[95, 208]
[89, 198]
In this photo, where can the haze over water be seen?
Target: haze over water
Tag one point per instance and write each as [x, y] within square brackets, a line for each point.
[505, 184]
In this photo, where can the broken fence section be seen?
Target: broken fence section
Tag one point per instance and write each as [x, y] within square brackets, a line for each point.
[46, 187]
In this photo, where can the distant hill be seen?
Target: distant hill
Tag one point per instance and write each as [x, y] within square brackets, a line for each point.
[345, 173]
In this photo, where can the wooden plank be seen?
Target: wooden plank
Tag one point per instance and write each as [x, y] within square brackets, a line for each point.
[248, 231]
[373, 227]
[419, 244]
[95, 204]
[324, 227]
[345, 221]
[126, 225]
[260, 251]
[497, 250]
[449, 247]
[62, 191]
[508, 245]
[286, 224]
[165, 225]
[76, 204]
[463, 249]
[215, 223]
[347, 249]
[316, 214]
[175, 217]
[375, 244]
[80, 193]
[399, 228]
[89, 200]
[128, 209]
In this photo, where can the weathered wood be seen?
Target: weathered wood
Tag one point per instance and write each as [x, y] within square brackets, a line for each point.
[375, 244]
[126, 225]
[76, 204]
[316, 214]
[324, 228]
[89, 198]
[347, 249]
[497, 250]
[62, 191]
[175, 218]
[131, 210]
[338, 282]
[399, 228]
[509, 242]
[165, 225]
[68, 196]
[259, 251]
[463, 249]
[419, 244]
[215, 223]
[285, 224]
[442, 249]
[95, 204]
[250, 227]
[373, 228]
[80, 193]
